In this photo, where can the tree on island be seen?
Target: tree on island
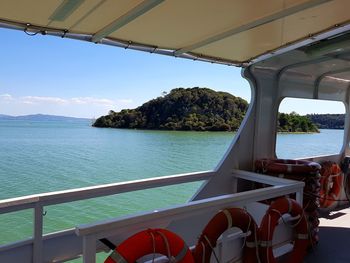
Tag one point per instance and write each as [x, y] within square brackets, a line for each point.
[328, 121]
[293, 122]
[198, 109]
[195, 109]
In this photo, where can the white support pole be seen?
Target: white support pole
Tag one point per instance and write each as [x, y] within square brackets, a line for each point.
[38, 234]
[299, 197]
[234, 184]
[89, 249]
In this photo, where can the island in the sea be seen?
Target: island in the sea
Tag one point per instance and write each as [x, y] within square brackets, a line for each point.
[196, 109]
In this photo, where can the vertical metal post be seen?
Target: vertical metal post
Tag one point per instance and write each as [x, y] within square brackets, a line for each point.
[234, 184]
[89, 249]
[299, 196]
[38, 234]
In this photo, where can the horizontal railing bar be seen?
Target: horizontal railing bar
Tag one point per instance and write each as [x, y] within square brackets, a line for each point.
[120, 225]
[324, 156]
[30, 240]
[15, 208]
[65, 196]
[111, 227]
[16, 244]
[266, 179]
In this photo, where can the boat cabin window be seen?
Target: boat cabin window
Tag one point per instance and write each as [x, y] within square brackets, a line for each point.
[309, 128]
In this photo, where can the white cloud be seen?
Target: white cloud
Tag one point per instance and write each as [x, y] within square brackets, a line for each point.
[5, 97]
[125, 101]
[91, 100]
[70, 101]
[77, 106]
[38, 100]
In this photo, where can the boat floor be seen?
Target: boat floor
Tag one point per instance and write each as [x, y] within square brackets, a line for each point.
[334, 243]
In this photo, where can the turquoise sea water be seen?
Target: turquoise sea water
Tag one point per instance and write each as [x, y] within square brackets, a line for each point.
[38, 157]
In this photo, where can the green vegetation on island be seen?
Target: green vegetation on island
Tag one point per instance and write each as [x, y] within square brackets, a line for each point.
[293, 122]
[328, 121]
[195, 109]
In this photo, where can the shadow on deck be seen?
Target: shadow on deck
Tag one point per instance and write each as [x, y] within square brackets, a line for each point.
[334, 244]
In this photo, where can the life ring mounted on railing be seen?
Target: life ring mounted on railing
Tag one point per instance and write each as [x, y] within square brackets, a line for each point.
[287, 166]
[269, 222]
[331, 184]
[345, 166]
[257, 243]
[222, 221]
[151, 241]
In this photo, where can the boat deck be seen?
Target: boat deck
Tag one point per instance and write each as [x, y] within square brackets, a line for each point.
[334, 245]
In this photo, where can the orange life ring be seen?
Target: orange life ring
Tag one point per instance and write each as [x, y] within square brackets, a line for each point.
[270, 221]
[347, 186]
[232, 217]
[286, 166]
[331, 184]
[151, 241]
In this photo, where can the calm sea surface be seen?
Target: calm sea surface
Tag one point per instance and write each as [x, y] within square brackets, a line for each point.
[38, 157]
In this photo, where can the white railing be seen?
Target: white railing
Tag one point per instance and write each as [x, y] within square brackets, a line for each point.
[38, 201]
[91, 233]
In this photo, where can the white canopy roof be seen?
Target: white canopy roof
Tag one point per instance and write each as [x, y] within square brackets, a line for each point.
[225, 31]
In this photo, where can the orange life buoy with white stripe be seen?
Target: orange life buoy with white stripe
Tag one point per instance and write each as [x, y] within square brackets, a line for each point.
[269, 222]
[286, 166]
[226, 219]
[347, 186]
[331, 184]
[151, 241]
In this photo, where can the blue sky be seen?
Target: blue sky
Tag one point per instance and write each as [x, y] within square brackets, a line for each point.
[50, 75]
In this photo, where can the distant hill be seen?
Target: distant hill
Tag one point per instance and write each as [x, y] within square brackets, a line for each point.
[328, 121]
[39, 117]
[199, 109]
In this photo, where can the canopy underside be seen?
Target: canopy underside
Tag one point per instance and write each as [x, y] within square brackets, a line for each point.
[235, 32]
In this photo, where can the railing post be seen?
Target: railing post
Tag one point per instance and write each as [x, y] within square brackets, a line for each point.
[299, 196]
[89, 249]
[38, 234]
[234, 184]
